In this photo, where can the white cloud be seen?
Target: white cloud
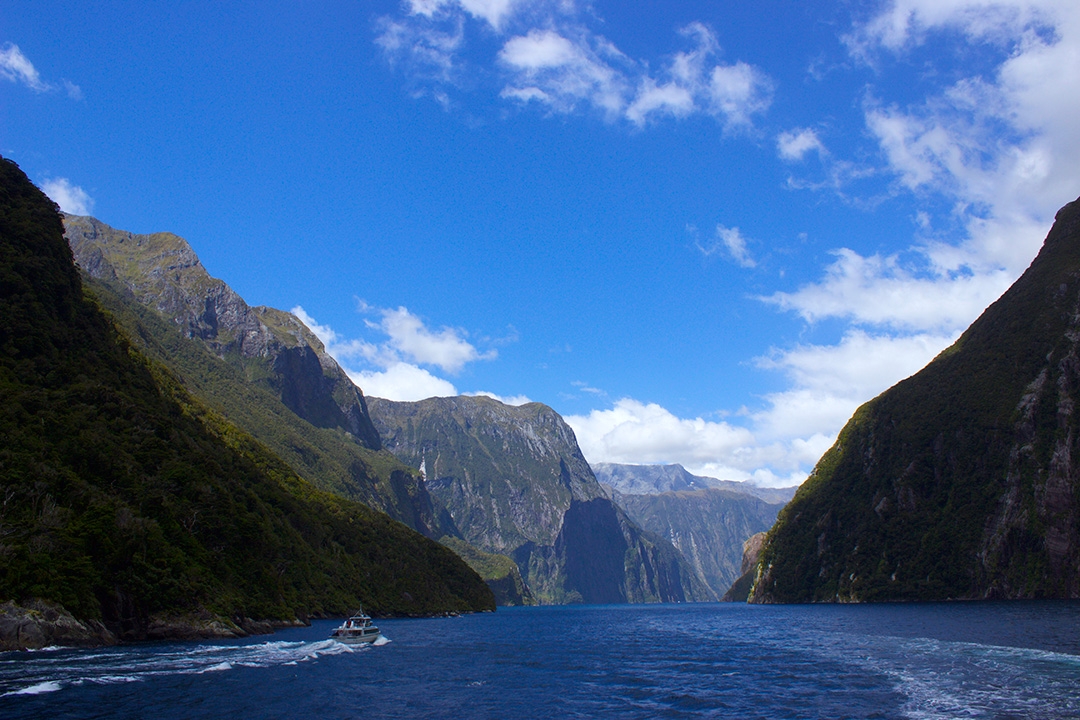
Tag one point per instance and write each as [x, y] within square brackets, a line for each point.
[828, 382]
[1000, 147]
[736, 245]
[549, 67]
[738, 91]
[506, 400]
[880, 291]
[71, 198]
[782, 441]
[402, 382]
[795, 144]
[551, 57]
[17, 68]
[642, 433]
[446, 349]
[391, 369]
[427, 53]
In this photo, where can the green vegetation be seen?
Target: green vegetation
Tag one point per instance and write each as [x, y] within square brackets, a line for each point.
[956, 482]
[329, 457]
[125, 499]
[498, 571]
[259, 367]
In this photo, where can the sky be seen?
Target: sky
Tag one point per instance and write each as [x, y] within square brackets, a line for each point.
[703, 232]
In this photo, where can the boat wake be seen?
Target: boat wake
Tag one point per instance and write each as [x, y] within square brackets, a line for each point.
[49, 672]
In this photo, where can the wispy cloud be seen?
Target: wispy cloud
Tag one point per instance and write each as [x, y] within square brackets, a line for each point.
[17, 68]
[726, 241]
[550, 57]
[71, 198]
[794, 145]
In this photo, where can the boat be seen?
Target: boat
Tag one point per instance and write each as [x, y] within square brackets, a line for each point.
[357, 629]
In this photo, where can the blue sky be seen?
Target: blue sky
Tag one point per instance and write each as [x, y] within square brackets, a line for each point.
[703, 232]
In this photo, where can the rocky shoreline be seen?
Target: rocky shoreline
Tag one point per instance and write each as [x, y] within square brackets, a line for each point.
[40, 624]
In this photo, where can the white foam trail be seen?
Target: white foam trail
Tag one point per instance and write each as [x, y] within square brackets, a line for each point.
[124, 665]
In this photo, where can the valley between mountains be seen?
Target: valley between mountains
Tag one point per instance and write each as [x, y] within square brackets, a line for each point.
[177, 463]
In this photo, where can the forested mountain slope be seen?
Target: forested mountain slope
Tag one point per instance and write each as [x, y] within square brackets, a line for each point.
[129, 502]
[962, 481]
[259, 367]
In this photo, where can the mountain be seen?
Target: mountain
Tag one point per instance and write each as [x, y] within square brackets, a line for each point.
[128, 504]
[740, 589]
[961, 481]
[515, 483]
[708, 525]
[653, 479]
[259, 367]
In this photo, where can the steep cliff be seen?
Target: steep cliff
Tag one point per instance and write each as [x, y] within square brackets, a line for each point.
[515, 482]
[259, 367]
[709, 526]
[961, 481]
[130, 510]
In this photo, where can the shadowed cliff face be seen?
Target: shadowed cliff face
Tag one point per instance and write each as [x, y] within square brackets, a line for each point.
[516, 483]
[959, 482]
[162, 271]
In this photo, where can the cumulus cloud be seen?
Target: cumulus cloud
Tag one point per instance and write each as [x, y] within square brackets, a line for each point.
[828, 382]
[642, 433]
[550, 57]
[392, 369]
[16, 67]
[71, 198]
[402, 382]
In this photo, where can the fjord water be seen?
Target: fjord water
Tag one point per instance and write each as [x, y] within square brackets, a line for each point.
[939, 660]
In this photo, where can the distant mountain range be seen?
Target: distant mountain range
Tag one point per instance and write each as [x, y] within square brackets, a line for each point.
[130, 504]
[653, 479]
[707, 519]
[515, 483]
[962, 481]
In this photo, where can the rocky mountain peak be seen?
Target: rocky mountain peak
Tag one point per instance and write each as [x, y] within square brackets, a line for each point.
[163, 272]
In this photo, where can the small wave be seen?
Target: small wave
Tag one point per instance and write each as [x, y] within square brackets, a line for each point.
[381, 640]
[226, 665]
[40, 688]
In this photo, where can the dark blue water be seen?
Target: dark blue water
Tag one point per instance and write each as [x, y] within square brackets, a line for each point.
[956, 660]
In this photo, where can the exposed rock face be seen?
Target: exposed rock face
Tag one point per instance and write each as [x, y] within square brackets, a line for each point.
[654, 479]
[708, 526]
[959, 482]
[162, 271]
[260, 367]
[515, 482]
[740, 589]
[41, 624]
